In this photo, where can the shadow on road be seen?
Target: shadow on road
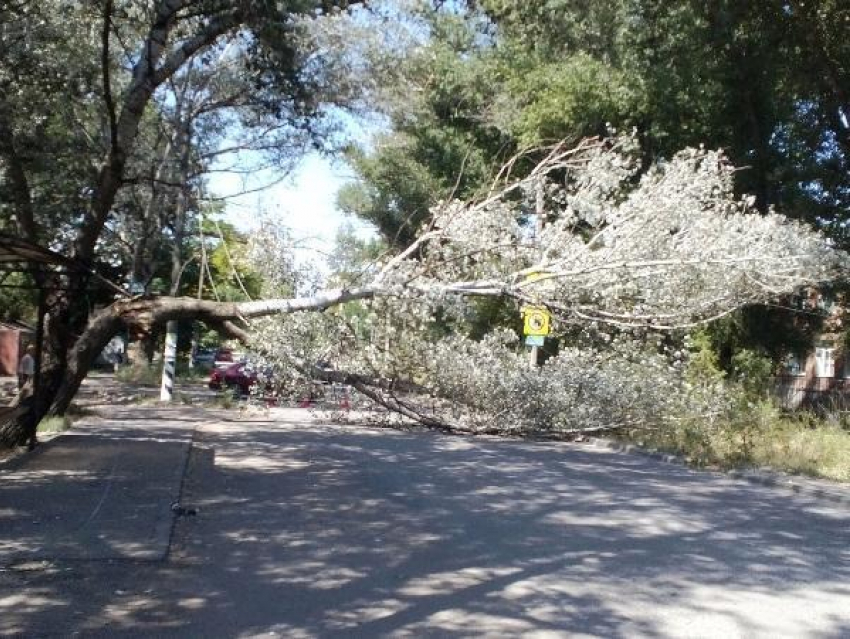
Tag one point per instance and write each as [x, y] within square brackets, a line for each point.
[312, 530]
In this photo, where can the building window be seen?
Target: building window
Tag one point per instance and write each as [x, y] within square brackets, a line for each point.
[824, 361]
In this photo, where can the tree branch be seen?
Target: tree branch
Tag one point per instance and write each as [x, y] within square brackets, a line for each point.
[18, 182]
[147, 76]
[107, 81]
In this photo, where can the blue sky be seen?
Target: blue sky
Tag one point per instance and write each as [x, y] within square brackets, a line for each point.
[304, 201]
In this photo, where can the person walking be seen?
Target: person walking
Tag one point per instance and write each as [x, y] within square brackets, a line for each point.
[26, 367]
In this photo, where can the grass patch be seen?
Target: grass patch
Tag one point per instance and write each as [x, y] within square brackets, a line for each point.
[821, 451]
[51, 425]
[228, 398]
[758, 435]
[145, 374]
[183, 398]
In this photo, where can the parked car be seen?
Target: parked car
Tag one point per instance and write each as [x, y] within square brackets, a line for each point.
[237, 375]
[241, 376]
[223, 356]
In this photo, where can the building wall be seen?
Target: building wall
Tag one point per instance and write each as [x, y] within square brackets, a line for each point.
[822, 378]
[10, 350]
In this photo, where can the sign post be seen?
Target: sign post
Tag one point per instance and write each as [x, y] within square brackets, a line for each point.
[536, 322]
[536, 326]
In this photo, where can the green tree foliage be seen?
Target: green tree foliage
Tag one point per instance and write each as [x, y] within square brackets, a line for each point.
[766, 81]
[396, 190]
[233, 275]
[353, 257]
[110, 114]
[18, 299]
[49, 86]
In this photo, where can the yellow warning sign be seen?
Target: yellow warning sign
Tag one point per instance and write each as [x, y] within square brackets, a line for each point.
[536, 320]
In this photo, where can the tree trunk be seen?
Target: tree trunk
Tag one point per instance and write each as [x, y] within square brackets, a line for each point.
[65, 366]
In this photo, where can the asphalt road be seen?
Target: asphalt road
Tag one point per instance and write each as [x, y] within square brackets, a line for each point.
[311, 530]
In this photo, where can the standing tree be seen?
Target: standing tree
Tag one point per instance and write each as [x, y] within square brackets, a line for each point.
[82, 78]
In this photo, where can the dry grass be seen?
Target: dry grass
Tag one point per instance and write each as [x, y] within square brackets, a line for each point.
[821, 451]
[759, 436]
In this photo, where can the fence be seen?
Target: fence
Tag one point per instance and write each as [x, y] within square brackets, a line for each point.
[812, 393]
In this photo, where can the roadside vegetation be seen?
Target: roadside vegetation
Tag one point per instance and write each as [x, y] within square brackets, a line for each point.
[751, 429]
[53, 425]
[60, 423]
[760, 435]
[145, 374]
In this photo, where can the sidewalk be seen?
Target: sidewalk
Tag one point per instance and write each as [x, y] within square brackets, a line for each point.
[103, 490]
[99, 388]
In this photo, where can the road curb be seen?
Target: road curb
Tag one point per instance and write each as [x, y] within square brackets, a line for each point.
[120, 502]
[797, 484]
[189, 445]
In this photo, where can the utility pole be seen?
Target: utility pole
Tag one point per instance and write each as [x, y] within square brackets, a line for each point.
[169, 362]
[169, 356]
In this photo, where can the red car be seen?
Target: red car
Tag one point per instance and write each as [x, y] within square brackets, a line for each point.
[239, 375]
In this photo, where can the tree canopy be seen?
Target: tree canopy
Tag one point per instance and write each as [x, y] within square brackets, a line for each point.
[111, 113]
[499, 77]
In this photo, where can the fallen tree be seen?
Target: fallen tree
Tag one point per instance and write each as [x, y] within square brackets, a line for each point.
[650, 251]
[635, 253]
[622, 259]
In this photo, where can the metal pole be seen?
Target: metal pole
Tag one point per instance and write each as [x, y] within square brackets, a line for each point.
[532, 357]
[169, 361]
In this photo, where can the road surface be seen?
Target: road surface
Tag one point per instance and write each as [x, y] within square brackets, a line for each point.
[305, 529]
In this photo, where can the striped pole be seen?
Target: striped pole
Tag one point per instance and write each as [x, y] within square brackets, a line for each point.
[169, 362]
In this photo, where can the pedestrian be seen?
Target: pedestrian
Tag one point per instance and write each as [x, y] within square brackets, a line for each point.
[26, 367]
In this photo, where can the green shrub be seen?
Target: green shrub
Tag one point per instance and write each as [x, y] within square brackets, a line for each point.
[228, 398]
[703, 362]
[140, 373]
[753, 370]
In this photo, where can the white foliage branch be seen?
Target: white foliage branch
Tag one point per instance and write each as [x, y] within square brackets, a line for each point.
[659, 251]
[486, 386]
[675, 249]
